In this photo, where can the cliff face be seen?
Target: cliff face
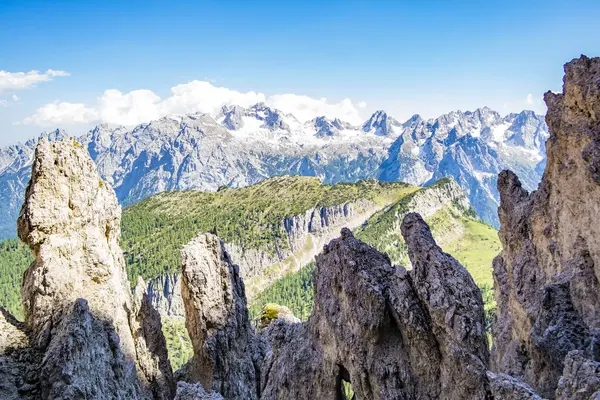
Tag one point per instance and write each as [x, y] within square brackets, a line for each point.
[547, 277]
[92, 339]
[227, 353]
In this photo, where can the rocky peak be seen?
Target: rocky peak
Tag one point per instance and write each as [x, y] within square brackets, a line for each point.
[527, 129]
[232, 117]
[325, 127]
[380, 124]
[390, 332]
[547, 276]
[71, 220]
[272, 119]
[227, 353]
[78, 307]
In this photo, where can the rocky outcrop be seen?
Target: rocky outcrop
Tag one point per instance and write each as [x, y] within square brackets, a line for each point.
[581, 378]
[390, 332]
[227, 354]
[195, 391]
[164, 293]
[71, 221]
[151, 347]
[547, 277]
[94, 341]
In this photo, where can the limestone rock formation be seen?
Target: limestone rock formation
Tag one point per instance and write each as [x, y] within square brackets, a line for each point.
[547, 276]
[227, 354]
[79, 312]
[391, 333]
[71, 221]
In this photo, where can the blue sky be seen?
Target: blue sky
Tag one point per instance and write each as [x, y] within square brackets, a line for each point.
[425, 57]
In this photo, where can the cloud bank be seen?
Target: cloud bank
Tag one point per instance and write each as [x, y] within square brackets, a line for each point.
[139, 106]
[13, 81]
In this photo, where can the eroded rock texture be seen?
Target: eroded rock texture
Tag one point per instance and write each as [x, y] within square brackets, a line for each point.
[19, 376]
[89, 348]
[547, 276]
[151, 347]
[391, 333]
[227, 353]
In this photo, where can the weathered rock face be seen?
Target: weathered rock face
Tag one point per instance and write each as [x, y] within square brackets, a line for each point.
[89, 348]
[392, 333]
[84, 360]
[150, 345]
[295, 367]
[71, 221]
[547, 277]
[227, 354]
[18, 362]
[581, 378]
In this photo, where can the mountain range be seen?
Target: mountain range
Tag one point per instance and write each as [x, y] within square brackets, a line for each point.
[242, 146]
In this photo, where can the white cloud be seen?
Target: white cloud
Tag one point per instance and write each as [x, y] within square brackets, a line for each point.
[10, 81]
[3, 103]
[138, 106]
[54, 114]
[130, 108]
[529, 99]
[15, 98]
[306, 108]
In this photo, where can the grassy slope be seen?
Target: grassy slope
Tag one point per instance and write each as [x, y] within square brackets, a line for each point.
[15, 257]
[473, 243]
[155, 229]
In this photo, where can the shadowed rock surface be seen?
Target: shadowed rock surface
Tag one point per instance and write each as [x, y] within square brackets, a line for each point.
[547, 276]
[227, 353]
[19, 375]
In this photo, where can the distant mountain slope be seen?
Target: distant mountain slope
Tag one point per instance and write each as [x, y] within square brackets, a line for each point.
[455, 226]
[269, 228]
[276, 221]
[239, 147]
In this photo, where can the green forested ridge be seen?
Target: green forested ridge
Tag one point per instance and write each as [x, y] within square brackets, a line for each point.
[15, 257]
[154, 230]
[179, 344]
[458, 231]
